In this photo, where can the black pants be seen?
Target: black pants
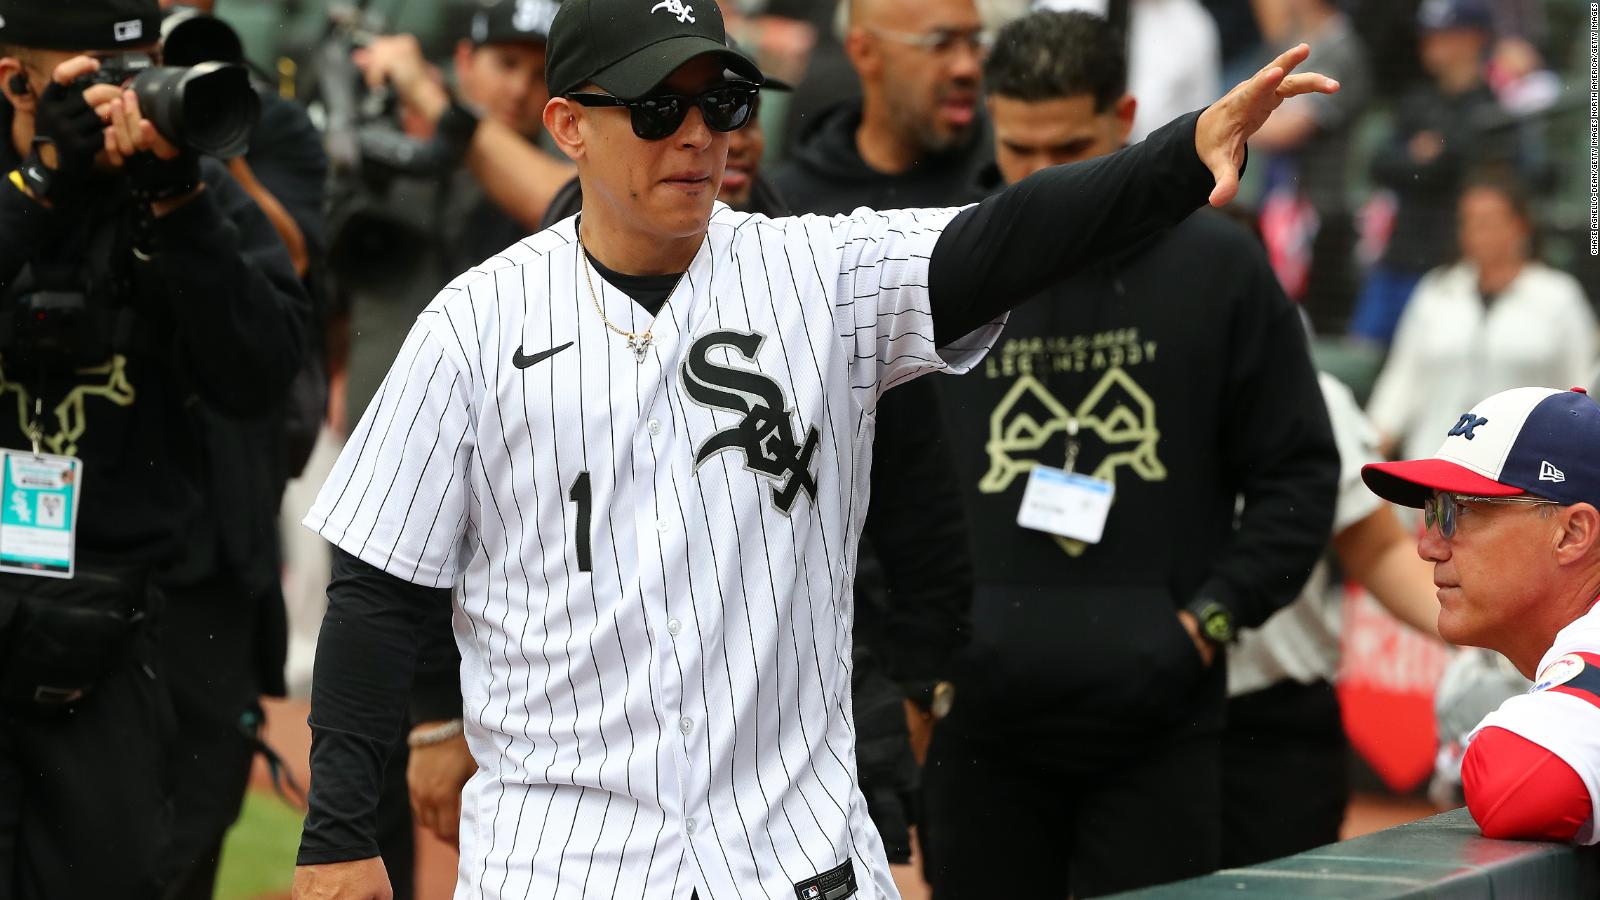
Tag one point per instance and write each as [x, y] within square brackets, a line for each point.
[208, 649]
[84, 808]
[1006, 818]
[1285, 781]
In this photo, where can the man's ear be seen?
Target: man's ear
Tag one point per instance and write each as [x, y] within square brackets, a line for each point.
[1580, 533]
[15, 85]
[1126, 107]
[561, 118]
[866, 57]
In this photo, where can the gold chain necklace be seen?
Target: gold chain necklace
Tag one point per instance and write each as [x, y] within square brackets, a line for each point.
[639, 343]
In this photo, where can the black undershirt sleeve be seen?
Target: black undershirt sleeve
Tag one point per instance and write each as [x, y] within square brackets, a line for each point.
[365, 657]
[1052, 224]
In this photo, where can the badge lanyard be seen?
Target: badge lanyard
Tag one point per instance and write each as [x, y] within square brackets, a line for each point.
[39, 500]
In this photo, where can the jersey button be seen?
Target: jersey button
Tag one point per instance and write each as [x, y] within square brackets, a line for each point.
[688, 825]
[655, 426]
[673, 627]
[685, 724]
[661, 525]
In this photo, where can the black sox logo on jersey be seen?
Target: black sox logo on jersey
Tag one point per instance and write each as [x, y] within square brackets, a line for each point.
[766, 434]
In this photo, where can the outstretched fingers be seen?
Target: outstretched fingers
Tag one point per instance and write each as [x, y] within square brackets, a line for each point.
[1289, 59]
[1306, 83]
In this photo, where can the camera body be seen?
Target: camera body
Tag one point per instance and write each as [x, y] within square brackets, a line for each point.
[54, 331]
[209, 108]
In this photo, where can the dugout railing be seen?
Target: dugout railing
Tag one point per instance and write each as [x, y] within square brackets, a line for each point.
[1441, 857]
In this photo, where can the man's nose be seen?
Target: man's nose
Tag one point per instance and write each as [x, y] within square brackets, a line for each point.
[694, 133]
[1432, 546]
[965, 61]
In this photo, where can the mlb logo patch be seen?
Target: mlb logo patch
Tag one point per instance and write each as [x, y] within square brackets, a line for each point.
[811, 892]
[131, 30]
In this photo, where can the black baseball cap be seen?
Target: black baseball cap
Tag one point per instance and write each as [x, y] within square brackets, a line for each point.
[628, 47]
[80, 24]
[513, 21]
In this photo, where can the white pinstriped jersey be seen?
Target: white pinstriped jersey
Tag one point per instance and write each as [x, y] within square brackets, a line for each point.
[652, 562]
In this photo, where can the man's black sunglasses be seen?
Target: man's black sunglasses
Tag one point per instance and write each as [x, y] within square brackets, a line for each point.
[728, 107]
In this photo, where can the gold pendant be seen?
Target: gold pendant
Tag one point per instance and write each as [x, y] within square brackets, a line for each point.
[640, 345]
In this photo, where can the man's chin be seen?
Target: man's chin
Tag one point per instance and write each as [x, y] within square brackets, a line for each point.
[1454, 631]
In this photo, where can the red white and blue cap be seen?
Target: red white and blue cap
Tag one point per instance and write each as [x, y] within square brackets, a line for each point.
[1528, 440]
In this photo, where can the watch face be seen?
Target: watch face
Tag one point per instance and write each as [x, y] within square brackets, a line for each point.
[1219, 626]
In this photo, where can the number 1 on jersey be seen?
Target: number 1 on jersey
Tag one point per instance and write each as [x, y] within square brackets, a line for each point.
[580, 495]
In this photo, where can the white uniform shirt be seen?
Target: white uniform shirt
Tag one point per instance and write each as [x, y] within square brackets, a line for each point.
[679, 716]
[1301, 641]
[1450, 351]
[1561, 712]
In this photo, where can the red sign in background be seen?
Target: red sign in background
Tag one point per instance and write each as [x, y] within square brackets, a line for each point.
[1386, 684]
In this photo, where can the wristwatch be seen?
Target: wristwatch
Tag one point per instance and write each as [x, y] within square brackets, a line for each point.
[932, 697]
[1216, 620]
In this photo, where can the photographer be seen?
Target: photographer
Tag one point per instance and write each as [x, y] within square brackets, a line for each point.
[139, 286]
[492, 197]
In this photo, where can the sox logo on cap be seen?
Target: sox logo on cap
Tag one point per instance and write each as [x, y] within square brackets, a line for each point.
[684, 12]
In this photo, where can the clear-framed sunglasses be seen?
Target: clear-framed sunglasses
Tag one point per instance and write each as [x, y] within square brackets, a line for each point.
[940, 41]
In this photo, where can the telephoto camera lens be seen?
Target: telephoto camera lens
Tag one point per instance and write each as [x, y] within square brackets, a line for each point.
[210, 108]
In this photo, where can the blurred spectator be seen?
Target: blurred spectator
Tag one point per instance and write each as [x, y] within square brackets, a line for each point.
[1167, 83]
[1442, 129]
[1309, 139]
[1241, 33]
[913, 141]
[1388, 29]
[468, 212]
[1083, 752]
[224, 640]
[1285, 734]
[1497, 319]
[915, 138]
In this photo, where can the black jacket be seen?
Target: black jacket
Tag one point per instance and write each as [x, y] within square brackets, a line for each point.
[218, 317]
[827, 175]
[1475, 133]
[1187, 371]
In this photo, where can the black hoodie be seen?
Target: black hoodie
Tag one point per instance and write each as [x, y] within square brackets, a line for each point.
[1187, 371]
[827, 174]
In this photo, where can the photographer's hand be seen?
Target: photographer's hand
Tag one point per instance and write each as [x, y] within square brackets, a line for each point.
[66, 132]
[397, 60]
[158, 169]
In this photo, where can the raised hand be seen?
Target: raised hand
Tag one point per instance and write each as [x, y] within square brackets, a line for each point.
[1223, 129]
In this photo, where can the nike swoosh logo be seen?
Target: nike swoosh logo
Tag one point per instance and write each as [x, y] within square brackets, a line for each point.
[522, 361]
